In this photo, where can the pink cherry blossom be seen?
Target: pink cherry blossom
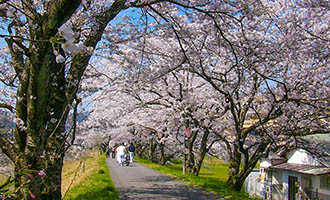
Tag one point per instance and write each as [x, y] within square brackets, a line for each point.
[41, 173]
[32, 196]
[30, 176]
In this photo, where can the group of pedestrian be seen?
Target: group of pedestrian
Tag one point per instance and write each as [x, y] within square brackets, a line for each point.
[124, 153]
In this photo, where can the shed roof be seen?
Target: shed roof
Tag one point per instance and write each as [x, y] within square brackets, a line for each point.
[302, 168]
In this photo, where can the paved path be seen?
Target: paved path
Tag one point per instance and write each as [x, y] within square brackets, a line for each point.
[139, 183]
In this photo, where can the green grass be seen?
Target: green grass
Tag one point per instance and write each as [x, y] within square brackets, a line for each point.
[212, 178]
[97, 185]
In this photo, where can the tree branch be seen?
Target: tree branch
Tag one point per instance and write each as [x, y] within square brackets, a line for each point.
[80, 61]
[8, 148]
[9, 107]
[59, 12]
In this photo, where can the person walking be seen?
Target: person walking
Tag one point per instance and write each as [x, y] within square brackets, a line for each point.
[131, 150]
[113, 151]
[107, 152]
[121, 150]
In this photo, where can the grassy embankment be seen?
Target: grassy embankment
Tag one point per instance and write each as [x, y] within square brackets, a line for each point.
[212, 178]
[85, 179]
[88, 179]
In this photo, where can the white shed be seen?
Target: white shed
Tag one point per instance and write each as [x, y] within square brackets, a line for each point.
[297, 176]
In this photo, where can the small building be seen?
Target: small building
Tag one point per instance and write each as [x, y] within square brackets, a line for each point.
[295, 176]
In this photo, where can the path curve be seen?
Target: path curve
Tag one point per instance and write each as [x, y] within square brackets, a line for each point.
[139, 183]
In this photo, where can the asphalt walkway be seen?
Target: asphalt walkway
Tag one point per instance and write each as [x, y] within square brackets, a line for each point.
[139, 183]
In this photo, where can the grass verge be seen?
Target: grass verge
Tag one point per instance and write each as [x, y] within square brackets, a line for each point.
[212, 178]
[88, 179]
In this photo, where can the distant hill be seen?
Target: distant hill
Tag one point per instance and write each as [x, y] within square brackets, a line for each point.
[318, 137]
[6, 167]
[5, 123]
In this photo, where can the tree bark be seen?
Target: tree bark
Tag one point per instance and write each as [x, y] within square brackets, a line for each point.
[195, 161]
[190, 157]
[237, 176]
[234, 180]
[242, 163]
[161, 159]
[234, 169]
[202, 152]
[28, 184]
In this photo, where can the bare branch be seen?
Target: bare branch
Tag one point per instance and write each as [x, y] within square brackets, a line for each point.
[6, 106]
[8, 148]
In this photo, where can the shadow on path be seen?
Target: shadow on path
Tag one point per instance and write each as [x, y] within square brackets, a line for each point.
[139, 182]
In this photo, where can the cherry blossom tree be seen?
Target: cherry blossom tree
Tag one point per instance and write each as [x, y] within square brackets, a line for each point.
[273, 88]
[153, 104]
[49, 46]
[267, 63]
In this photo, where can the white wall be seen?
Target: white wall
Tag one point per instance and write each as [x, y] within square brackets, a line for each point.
[301, 156]
[252, 185]
[265, 163]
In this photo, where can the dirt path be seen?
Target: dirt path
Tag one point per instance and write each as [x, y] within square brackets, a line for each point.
[139, 182]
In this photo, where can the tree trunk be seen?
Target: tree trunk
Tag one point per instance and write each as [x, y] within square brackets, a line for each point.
[202, 152]
[236, 178]
[237, 172]
[30, 180]
[190, 161]
[53, 180]
[42, 146]
[161, 159]
[152, 152]
[194, 162]
[199, 162]
[234, 181]
[141, 150]
[190, 157]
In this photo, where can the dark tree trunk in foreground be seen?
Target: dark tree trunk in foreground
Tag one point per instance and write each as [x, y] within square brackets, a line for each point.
[45, 96]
